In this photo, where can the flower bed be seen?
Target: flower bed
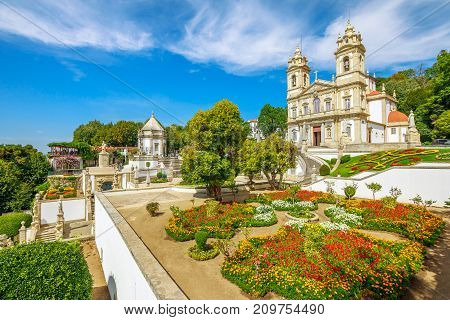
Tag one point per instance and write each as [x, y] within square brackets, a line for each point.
[341, 216]
[383, 160]
[412, 221]
[301, 195]
[320, 264]
[219, 220]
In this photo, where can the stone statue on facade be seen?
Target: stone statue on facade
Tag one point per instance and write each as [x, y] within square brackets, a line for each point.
[59, 228]
[116, 180]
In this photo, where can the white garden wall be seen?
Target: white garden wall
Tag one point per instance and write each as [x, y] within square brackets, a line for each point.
[74, 209]
[431, 183]
[123, 275]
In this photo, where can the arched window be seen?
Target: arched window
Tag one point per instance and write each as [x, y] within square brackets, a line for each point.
[294, 135]
[316, 105]
[294, 80]
[346, 64]
[305, 79]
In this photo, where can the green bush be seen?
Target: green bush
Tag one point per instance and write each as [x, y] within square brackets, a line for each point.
[161, 175]
[200, 239]
[44, 271]
[324, 170]
[152, 208]
[202, 255]
[333, 161]
[11, 223]
[43, 187]
[350, 191]
[345, 158]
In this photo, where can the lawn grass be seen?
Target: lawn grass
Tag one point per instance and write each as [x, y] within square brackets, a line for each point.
[383, 160]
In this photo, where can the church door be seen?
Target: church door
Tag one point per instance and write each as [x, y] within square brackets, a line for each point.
[316, 136]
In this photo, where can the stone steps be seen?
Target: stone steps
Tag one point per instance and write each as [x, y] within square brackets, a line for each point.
[46, 234]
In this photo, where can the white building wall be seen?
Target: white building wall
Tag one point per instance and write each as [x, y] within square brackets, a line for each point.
[392, 137]
[377, 133]
[123, 276]
[376, 111]
[364, 131]
[74, 209]
[411, 181]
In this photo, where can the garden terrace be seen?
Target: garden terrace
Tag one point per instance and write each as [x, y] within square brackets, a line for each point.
[320, 264]
[383, 160]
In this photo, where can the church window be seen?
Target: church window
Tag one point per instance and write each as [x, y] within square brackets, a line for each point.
[305, 109]
[294, 80]
[294, 112]
[316, 105]
[328, 105]
[393, 130]
[305, 80]
[294, 135]
[346, 64]
[349, 131]
[347, 103]
[156, 147]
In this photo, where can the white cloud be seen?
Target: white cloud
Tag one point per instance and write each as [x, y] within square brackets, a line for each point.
[75, 23]
[249, 36]
[240, 36]
[77, 74]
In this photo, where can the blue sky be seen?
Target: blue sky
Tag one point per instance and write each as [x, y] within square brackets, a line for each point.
[184, 55]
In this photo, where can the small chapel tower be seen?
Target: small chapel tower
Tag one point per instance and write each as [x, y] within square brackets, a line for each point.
[350, 53]
[297, 73]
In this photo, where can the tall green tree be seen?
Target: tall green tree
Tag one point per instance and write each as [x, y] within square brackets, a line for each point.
[272, 119]
[176, 138]
[205, 167]
[87, 132]
[22, 168]
[249, 159]
[276, 156]
[442, 125]
[219, 130]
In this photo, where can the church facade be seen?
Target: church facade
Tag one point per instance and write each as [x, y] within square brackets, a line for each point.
[347, 109]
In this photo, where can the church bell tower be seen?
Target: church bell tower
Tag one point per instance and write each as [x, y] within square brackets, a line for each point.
[297, 73]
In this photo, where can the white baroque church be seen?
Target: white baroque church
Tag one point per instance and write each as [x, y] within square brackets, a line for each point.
[348, 109]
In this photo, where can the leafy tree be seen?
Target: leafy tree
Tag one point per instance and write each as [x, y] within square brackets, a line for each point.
[219, 130]
[272, 119]
[22, 168]
[204, 167]
[442, 125]
[425, 91]
[176, 138]
[87, 132]
[374, 187]
[249, 161]
[124, 133]
[276, 156]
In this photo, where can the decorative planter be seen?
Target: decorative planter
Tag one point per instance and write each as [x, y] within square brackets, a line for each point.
[315, 217]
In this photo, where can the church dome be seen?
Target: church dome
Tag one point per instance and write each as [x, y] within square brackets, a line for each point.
[397, 116]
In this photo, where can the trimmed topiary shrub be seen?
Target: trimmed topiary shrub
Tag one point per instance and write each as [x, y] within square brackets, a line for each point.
[11, 223]
[152, 208]
[324, 170]
[200, 239]
[202, 251]
[345, 158]
[44, 271]
[350, 191]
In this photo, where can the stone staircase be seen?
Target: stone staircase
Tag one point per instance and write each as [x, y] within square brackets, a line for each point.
[46, 234]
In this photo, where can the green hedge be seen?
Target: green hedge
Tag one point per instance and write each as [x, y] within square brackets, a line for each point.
[324, 170]
[11, 223]
[44, 271]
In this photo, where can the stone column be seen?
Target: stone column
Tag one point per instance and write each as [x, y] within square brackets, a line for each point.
[358, 131]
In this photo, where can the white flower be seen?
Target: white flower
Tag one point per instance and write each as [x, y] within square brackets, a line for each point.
[334, 226]
[340, 215]
[296, 223]
[264, 213]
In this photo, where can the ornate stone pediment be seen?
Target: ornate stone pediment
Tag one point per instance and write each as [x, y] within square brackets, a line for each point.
[317, 87]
